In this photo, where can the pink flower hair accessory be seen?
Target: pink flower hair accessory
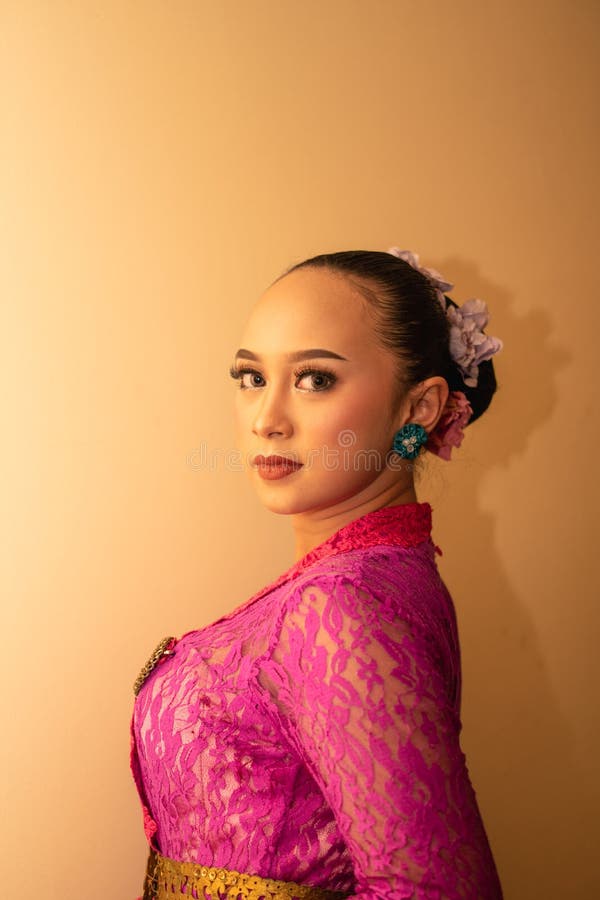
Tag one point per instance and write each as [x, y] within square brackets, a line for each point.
[448, 432]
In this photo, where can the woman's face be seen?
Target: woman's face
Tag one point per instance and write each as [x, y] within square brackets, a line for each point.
[336, 419]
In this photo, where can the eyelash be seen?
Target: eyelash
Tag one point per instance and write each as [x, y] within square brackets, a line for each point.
[298, 373]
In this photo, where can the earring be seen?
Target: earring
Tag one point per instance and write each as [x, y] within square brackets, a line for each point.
[409, 439]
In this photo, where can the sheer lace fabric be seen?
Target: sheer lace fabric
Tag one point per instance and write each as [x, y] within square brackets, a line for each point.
[312, 735]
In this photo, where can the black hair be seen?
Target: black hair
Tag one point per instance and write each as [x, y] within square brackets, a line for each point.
[408, 319]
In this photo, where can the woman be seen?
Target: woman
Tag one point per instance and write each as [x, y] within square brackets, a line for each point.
[306, 744]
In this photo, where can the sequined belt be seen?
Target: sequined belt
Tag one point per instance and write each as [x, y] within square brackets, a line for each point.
[166, 877]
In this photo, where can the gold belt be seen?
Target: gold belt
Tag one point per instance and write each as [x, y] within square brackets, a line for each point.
[166, 877]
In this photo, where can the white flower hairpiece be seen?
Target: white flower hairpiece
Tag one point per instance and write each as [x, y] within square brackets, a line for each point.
[469, 346]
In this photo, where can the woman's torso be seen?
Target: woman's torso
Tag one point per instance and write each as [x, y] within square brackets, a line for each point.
[221, 781]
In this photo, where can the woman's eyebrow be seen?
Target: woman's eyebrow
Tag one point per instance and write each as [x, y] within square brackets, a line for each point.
[297, 356]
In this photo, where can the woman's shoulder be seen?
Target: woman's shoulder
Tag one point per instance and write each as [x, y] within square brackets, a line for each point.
[387, 594]
[382, 577]
[369, 562]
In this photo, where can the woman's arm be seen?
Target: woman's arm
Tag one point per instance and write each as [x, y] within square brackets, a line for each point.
[365, 703]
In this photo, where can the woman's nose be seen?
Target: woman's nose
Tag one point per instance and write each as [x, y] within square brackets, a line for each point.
[271, 417]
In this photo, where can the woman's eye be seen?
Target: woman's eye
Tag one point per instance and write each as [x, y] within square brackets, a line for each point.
[316, 381]
[250, 379]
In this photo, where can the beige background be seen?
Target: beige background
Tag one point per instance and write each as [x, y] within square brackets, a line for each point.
[161, 164]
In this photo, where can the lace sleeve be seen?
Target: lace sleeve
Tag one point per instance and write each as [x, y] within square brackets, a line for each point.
[362, 696]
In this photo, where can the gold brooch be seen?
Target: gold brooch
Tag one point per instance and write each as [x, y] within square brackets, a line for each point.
[163, 650]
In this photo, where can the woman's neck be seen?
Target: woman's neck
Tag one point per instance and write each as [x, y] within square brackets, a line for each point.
[311, 528]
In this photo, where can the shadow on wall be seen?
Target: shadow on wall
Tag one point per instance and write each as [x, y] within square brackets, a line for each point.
[533, 797]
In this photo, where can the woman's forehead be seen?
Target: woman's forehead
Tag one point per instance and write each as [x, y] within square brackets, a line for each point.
[309, 309]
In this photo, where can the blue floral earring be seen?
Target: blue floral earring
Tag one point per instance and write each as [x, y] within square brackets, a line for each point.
[409, 439]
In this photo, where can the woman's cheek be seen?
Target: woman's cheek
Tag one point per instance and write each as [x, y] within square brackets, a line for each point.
[352, 423]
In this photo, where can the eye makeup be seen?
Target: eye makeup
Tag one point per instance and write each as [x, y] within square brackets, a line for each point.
[238, 374]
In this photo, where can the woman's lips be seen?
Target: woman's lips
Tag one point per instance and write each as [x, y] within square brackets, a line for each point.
[270, 468]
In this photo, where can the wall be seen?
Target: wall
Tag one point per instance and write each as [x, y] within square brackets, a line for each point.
[162, 163]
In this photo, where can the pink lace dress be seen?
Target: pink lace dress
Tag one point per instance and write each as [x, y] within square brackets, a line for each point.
[312, 734]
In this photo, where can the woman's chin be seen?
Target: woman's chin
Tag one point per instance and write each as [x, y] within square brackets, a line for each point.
[293, 501]
[283, 499]
[278, 503]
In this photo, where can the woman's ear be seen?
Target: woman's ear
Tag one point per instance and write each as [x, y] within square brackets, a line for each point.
[427, 402]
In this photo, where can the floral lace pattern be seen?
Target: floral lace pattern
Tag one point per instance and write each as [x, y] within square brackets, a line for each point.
[312, 734]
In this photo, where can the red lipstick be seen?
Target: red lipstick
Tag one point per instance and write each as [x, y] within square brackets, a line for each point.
[270, 468]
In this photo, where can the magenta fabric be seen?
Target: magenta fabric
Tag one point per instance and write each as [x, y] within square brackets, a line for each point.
[312, 734]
